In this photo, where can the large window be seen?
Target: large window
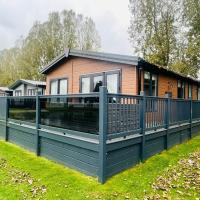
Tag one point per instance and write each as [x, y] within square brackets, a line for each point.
[189, 91]
[31, 92]
[181, 89]
[54, 87]
[92, 82]
[112, 83]
[97, 82]
[62, 86]
[18, 93]
[85, 83]
[58, 86]
[150, 84]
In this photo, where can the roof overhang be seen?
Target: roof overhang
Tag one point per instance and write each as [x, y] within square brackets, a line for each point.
[15, 84]
[151, 67]
[115, 58]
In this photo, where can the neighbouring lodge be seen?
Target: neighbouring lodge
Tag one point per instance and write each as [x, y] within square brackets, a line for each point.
[24, 87]
[4, 91]
[77, 71]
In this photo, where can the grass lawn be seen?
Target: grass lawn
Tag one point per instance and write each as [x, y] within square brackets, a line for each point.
[173, 174]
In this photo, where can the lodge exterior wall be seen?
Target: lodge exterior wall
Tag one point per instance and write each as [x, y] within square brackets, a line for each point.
[167, 84]
[75, 67]
[170, 84]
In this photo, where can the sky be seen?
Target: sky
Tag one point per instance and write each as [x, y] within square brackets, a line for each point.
[112, 18]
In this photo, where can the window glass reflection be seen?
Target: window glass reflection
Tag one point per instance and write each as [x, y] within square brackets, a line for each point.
[98, 81]
[112, 83]
[63, 86]
[85, 84]
[54, 87]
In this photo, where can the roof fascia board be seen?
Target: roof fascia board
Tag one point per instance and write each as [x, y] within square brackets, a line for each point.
[106, 57]
[15, 84]
[131, 60]
[19, 82]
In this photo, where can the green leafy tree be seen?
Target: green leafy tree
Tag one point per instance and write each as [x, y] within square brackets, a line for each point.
[167, 33]
[8, 69]
[44, 42]
[191, 19]
[153, 30]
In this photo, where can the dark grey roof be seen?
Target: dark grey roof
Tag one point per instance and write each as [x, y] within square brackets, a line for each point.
[116, 58]
[28, 82]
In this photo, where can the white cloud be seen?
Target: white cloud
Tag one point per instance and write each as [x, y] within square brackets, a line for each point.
[111, 17]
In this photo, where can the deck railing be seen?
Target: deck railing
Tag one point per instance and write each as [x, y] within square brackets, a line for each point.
[155, 112]
[98, 120]
[78, 112]
[179, 111]
[125, 114]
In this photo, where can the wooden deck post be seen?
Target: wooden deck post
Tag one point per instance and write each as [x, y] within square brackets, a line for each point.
[103, 112]
[143, 123]
[37, 146]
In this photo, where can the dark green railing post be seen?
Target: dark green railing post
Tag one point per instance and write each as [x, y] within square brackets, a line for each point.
[190, 118]
[37, 145]
[143, 123]
[6, 118]
[167, 118]
[103, 112]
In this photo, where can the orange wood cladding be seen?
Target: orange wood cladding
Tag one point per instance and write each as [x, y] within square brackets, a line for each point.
[75, 67]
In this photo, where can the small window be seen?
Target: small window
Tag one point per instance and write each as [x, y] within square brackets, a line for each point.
[154, 85]
[31, 92]
[189, 91]
[18, 93]
[41, 91]
[97, 82]
[181, 89]
[112, 83]
[150, 84]
[62, 86]
[85, 85]
[54, 87]
[58, 86]
[147, 83]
